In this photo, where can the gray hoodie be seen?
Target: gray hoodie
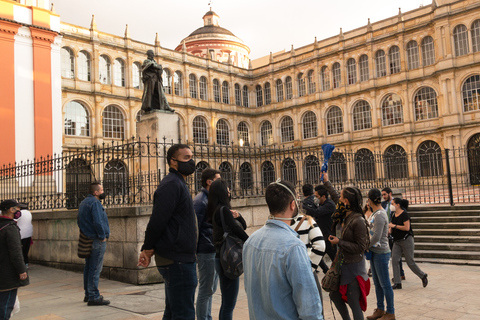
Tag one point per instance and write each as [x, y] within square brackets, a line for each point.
[379, 232]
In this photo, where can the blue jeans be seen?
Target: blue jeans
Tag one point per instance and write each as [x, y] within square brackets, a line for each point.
[229, 289]
[93, 268]
[381, 280]
[207, 285]
[180, 284]
[7, 302]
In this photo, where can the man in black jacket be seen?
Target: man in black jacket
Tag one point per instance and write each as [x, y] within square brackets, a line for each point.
[309, 201]
[172, 235]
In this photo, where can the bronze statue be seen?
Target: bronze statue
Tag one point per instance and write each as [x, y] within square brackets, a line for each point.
[153, 96]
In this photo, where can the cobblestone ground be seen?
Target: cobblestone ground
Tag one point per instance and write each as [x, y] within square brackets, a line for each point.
[57, 294]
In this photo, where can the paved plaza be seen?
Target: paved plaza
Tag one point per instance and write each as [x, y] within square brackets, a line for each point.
[56, 294]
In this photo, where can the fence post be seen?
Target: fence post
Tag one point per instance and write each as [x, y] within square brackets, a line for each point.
[449, 177]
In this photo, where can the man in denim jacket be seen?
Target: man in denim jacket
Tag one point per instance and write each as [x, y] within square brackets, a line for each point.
[93, 223]
[278, 277]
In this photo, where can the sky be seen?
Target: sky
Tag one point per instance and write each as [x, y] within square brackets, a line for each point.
[264, 25]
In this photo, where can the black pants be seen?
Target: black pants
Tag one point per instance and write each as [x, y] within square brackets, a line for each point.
[7, 302]
[353, 298]
[25, 248]
[330, 250]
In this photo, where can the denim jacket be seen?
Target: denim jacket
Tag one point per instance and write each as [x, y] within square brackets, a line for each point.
[92, 219]
[278, 276]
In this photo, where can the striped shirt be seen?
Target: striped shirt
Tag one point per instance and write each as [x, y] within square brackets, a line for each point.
[312, 236]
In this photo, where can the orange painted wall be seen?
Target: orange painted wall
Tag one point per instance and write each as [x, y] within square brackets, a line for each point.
[7, 91]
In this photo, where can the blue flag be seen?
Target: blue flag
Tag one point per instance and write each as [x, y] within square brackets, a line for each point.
[327, 154]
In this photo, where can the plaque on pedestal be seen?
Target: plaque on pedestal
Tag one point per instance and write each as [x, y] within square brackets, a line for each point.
[158, 124]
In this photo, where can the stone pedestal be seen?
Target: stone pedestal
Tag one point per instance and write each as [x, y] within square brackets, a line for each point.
[159, 124]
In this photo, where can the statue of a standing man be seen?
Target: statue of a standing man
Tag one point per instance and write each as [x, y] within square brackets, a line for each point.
[153, 95]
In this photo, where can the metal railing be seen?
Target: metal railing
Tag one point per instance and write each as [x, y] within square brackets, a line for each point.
[131, 170]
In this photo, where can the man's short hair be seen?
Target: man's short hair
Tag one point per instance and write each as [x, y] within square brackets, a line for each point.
[322, 191]
[387, 190]
[94, 186]
[307, 190]
[173, 150]
[208, 174]
[278, 197]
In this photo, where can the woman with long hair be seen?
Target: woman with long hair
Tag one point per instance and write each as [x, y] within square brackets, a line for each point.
[401, 230]
[353, 242]
[218, 206]
[380, 256]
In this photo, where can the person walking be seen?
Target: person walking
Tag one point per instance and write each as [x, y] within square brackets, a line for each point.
[401, 229]
[354, 281]
[13, 272]
[171, 235]
[24, 223]
[93, 223]
[380, 256]
[218, 206]
[207, 277]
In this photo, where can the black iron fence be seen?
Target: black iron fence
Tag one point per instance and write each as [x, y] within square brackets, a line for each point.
[131, 170]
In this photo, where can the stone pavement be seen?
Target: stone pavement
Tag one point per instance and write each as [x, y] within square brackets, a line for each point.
[57, 294]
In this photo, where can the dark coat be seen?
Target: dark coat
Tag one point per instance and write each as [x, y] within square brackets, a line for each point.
[205, 229]
[323, 216]
[355, 238]
[11, 256]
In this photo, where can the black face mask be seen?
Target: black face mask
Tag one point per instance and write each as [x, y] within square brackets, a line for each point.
[102, 196]
[186, 167]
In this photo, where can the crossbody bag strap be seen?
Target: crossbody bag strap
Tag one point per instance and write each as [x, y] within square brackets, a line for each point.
[8, 224]
[225, 232]
[300, 223]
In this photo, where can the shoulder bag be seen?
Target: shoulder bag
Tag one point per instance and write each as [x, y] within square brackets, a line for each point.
[84, 246]
[230, 252]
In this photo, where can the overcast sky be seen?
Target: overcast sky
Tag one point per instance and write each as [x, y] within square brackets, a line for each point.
[264, 25]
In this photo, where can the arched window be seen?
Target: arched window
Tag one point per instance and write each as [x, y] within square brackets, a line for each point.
[279, 90]
[216, 90]
[268, 94]
[413, 58]
[425, 102]
[225, 169]
[68, 63]
[268, 173]
[311, 82]
[473, 154]
[192, 84]
[337, 168]
[364, 165]
[223, 133]
[286, 129]
[301, 85]
[337, 75]
[394, 59]
[289, 171]
[309, 125]
[200, 130]
[113, 123]
[238, 95]
[225, 92]
[311, 168]
[380, 64]
[362, 118]
[429, 159]
[334, 121]
[266, 134]
[460, 40]
[115, 178]
[242, 132]
[363, 65]
[396, 162]
[246, 180]
[167, 81]
[119, 72]
[288, 88]
[203, 88]
[392, 110]
[475, 31]
[202, 165]
[77, 121]
[84, 66]
[178, 83]
[325, 77]
[104, 69]
[136, 75]
[78, 178]
[428, 51]
[246, 103]
[351, 71]
[258, 90]
[471, 93]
